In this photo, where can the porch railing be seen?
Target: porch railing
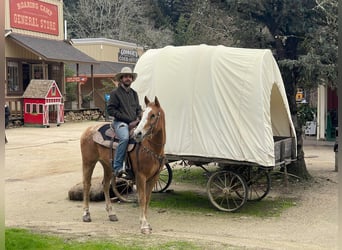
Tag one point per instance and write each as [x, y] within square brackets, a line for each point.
[16, 107]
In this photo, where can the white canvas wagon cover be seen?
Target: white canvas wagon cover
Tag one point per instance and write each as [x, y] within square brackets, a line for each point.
[220, 102]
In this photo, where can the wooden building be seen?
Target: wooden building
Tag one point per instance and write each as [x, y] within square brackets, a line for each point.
[112, 56]
[35, 48]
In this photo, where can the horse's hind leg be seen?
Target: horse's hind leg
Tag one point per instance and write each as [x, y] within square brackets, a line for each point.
[87, 173]
[107, 176]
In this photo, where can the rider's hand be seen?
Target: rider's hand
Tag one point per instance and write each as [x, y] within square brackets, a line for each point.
[133, 124]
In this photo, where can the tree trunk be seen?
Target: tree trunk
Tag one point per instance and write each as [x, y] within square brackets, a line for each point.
[290, 78]
[298, 167]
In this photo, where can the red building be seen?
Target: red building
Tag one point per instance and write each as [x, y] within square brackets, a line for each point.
[43, 104]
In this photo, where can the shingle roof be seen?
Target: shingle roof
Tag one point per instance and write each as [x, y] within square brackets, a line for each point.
[52, 50]
[38, 88]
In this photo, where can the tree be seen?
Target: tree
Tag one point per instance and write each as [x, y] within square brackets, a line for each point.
[322, 45]
[122, 20]
[292, 29]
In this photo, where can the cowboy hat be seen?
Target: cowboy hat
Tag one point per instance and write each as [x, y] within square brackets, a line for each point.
[125, 71]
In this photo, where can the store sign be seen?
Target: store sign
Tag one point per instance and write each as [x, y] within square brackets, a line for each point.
[128, 55]
[34, 15]
[81, 79]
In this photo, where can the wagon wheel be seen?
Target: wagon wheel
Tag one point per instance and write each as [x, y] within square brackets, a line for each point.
[258, 181]
[124, 189]
[165, 179]
[227, 190]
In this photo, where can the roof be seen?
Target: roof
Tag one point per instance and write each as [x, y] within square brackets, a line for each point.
[104, 68]
[220, 102]
[38, 88]
[52, 50]
[101, 40]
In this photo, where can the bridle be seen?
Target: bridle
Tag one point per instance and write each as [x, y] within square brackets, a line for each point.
[148, 136]
[149, 132]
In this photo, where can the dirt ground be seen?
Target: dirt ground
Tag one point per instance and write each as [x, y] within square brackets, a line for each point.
[42, 164]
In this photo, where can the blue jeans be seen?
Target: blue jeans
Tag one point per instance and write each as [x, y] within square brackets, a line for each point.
[122, 132]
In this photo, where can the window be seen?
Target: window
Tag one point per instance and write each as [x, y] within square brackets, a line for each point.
[55, 73]
[28, 108]
[53, 91]
[34, 108]
[12, 77]
[41, 110]
[39, 71]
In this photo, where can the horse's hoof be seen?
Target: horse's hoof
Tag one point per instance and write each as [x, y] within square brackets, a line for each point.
[146, 230]
[113, 217]
[86, 218]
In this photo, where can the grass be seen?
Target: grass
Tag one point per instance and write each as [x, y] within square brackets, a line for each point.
[192, 175]
[194, 201]
[21, 239]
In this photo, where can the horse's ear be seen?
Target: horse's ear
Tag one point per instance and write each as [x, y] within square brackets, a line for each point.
[147, 101]
[156, 101]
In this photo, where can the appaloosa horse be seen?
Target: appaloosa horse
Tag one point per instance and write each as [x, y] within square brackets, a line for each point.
[147, 160]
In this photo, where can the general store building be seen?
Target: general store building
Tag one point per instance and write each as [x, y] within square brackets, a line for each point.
[35, 48]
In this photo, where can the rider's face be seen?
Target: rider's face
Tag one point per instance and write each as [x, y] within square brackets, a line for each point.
[127, 80]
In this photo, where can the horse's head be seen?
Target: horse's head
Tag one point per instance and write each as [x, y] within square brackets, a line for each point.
[152, 121]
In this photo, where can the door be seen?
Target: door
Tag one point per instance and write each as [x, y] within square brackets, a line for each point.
[53, 113]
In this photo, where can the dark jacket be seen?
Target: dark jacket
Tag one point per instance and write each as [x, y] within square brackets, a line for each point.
[124, 105]
[7, 115]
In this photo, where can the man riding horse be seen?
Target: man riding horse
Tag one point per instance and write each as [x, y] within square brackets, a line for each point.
[124, 106]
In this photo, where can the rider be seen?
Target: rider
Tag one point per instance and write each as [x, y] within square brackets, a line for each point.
[124, 106]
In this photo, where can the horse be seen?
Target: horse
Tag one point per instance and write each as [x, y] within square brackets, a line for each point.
[147, 159]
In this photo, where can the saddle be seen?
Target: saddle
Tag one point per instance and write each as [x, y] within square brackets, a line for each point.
[105, 136]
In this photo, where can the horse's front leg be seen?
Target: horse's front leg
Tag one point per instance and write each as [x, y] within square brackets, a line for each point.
[107, 177]
[149, 187]
[145, 227]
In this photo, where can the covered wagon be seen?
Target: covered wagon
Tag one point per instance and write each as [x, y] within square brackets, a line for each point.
[222, 104]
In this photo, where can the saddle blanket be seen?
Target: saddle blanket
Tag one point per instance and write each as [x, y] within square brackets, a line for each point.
[105, 136]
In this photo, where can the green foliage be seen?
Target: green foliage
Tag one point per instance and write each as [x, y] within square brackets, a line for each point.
[305, 113]
[70, 87]
[182, 34]
[71, 91]
[68, 72]
[87, 98]
[108, 86]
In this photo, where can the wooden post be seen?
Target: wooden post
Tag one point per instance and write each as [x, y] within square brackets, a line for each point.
[92, 82]
[282, 159]
[79, 95]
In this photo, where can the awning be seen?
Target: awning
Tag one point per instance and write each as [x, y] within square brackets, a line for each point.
[103, 69]
[52, 50]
